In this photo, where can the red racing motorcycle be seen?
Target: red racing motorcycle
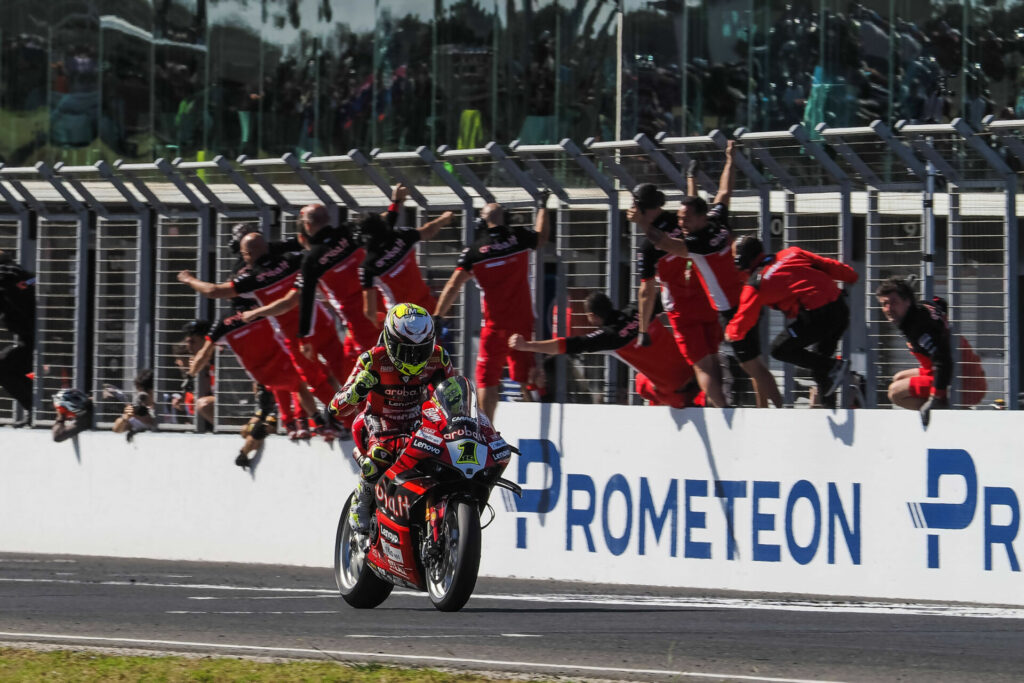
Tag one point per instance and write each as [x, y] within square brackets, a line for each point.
[425, 533]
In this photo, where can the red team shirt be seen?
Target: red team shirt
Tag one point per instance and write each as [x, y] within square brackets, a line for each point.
[711, 251]
[260, 350]
[796, 279]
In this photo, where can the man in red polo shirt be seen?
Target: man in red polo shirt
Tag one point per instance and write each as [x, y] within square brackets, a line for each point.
[500, 262]
[390, 264]
[663, 375]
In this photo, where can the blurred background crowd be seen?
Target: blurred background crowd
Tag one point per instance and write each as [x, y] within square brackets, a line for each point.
[83, 80]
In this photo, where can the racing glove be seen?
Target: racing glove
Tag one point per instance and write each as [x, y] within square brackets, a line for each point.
[934, 402]
[359, 390]
[692, 168]
[643, 339]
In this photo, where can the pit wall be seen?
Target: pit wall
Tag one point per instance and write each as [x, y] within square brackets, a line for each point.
[857, 503]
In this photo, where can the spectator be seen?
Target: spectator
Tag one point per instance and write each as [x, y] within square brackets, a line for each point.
[74, 414]
[926, 327]
[390, 265]
[194, 335]
[801, 285]
[18, 313]
[663, 375]
[500, 262]
[138, 416]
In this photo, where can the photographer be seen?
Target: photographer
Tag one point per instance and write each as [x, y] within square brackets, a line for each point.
[138, 416]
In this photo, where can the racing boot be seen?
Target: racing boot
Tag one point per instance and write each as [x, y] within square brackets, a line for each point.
[362, 508]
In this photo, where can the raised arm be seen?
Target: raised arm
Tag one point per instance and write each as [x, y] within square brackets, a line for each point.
[370, 305]
[201, 359]
[543, 225]
[551, 347]
[451, 290]
[224, 290]
[430, 229]
[725, 183]
[646, 298]
[282, 305]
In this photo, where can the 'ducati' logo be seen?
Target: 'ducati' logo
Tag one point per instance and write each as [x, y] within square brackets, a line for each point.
[956, 465]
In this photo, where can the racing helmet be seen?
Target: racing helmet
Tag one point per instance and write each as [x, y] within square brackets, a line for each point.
[408, 338]
[455, 397]
[71, 402]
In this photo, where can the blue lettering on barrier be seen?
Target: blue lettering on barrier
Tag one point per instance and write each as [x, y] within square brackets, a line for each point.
[803, 489]
[1003, 534]
[764, 552]
[647, 511]
[582, 517]
[617, 544]
[835, 514]
[695, 488]
[944, 462]
[730, 490]
[542, 500]
[582, 512]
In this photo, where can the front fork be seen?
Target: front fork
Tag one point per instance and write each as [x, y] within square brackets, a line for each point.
[434, 513]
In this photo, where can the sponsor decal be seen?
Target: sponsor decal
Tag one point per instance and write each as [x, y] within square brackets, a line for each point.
[432, 437]
[389, 535]
[678, 517]
[396, 505]
[391, 253]
[393, 553]
[424, 446]
[954, 469]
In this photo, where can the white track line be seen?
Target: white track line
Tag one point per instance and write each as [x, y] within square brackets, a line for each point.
[406, 658]
[779, 604]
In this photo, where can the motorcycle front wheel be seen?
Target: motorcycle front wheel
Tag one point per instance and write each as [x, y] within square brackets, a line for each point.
[452, 577]
[358, 585]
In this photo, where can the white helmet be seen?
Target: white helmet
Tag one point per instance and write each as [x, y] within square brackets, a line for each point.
[408, 338]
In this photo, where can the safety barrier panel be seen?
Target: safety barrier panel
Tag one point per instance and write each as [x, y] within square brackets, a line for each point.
[934, 203]
[862, 503]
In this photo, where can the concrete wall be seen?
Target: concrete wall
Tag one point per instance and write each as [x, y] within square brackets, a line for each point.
[861, 503]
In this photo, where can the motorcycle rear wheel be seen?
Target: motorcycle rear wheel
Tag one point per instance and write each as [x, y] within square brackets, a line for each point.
[451, 580]
[357, 583]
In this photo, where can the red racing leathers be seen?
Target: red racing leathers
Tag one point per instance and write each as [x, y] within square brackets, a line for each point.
[392, 405]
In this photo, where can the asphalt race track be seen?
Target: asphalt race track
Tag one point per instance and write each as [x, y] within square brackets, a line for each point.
[579, 631]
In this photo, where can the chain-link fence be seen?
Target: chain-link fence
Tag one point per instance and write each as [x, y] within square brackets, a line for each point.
[936, 204]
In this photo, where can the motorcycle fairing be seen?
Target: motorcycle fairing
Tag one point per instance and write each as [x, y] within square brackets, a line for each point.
[394, 554]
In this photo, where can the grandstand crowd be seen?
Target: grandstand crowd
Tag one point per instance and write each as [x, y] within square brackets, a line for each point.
[702, 290]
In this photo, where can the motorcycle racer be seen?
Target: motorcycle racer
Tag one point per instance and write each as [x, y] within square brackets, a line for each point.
[391, 381]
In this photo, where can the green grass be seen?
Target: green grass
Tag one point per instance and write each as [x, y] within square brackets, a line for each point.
[25, 666]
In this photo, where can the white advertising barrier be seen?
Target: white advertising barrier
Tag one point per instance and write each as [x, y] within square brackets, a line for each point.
[172, 496]
[856, 503]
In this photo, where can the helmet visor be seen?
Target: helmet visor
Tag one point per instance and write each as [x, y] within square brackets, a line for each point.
[409, 358]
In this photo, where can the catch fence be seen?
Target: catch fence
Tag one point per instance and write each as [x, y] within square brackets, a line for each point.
[935, 204]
